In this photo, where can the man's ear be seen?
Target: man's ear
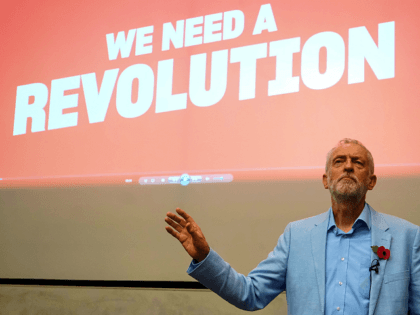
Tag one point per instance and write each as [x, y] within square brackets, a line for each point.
[325, 181]
[372, 183]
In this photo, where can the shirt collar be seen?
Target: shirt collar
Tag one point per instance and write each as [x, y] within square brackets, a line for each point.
[365, 217]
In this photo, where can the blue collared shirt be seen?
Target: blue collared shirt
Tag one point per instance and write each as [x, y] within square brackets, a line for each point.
[347, 262]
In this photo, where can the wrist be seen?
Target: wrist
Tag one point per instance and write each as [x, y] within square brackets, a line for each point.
[203, 256]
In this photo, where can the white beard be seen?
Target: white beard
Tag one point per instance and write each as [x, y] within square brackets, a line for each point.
[347, 190]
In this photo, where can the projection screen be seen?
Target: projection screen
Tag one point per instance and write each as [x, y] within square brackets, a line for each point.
[115, 112]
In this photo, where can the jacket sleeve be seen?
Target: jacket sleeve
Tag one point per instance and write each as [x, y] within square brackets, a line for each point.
[414, 288]
[249, 293]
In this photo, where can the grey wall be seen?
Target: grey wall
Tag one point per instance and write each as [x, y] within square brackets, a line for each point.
[118, 233]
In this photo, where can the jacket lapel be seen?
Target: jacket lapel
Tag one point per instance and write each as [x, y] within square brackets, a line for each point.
[379, 237]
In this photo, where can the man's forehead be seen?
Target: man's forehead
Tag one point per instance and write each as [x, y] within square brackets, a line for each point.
[350, 149]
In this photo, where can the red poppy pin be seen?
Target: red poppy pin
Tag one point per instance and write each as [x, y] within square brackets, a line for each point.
[381, 251]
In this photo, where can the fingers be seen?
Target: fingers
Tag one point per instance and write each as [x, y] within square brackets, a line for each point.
[173, 219]
[176, 218]
[177, 227]
[184, 215]
[172, 232]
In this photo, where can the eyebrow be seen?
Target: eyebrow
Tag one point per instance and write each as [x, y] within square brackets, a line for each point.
[345, 156]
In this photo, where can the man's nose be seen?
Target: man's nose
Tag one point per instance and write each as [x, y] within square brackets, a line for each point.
[348, 166]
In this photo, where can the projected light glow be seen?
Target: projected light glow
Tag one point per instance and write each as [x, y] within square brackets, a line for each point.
[250, 90]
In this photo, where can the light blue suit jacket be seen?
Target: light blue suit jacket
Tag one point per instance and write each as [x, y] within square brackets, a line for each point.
[297, 265]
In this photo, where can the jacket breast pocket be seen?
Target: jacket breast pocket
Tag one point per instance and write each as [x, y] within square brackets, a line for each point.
[403, 275]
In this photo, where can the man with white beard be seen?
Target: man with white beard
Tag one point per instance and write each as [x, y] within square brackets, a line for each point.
[348, 260]
[349, 174]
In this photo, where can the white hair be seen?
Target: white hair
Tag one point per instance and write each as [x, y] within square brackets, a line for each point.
[345, 141]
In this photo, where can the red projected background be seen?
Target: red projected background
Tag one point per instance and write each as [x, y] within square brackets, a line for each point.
[115, 91]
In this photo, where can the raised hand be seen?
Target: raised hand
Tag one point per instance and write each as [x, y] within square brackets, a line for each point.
[188, 233]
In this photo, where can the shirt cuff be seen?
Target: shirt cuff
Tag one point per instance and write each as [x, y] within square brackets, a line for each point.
[195, 263]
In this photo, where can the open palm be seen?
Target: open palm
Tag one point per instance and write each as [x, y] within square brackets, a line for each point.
[188, 234]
